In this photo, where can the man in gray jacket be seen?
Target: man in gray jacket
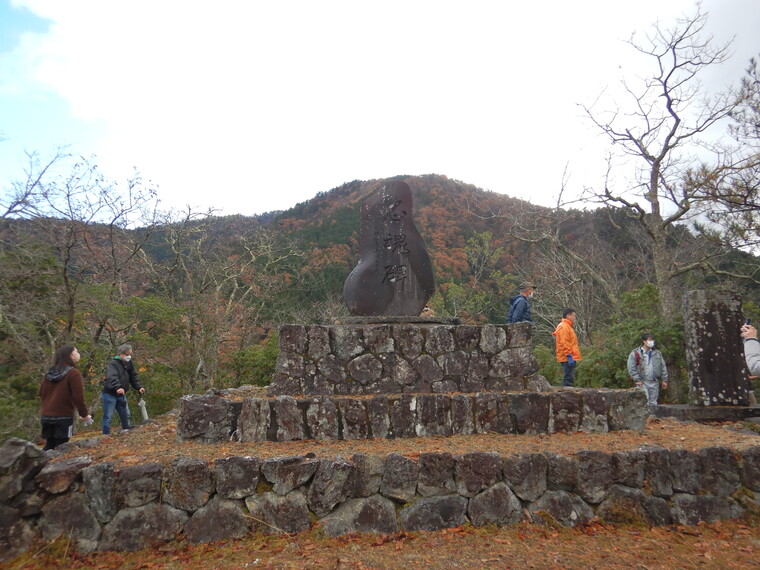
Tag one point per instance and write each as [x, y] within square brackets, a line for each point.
[647, 369]
[751, 349]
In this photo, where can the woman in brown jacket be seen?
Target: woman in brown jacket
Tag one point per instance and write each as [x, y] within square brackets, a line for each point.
[62, 395]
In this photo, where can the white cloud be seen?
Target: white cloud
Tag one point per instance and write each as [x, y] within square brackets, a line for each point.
[254, 106]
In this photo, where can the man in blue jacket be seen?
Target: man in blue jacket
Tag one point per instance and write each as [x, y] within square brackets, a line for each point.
[519, 307]
[120, 374]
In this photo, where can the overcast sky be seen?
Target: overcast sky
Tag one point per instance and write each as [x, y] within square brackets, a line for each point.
[252, 106]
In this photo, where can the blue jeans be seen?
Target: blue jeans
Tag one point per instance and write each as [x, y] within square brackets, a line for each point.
[568, 378]
[109, 403]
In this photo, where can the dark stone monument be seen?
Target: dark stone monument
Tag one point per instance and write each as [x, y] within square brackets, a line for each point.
[394, 275]
[714, 358]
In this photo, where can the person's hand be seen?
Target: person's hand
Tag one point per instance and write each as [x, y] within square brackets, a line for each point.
[570, 361]
[664, 384]
[639, 384]
[120, 391]
[142, 390]
[87, 421]
[748, 331]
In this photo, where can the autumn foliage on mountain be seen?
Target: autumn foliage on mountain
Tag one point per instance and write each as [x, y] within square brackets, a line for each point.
[201, 296]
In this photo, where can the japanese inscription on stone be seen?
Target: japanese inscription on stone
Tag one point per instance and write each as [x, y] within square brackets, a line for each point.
[394, 275]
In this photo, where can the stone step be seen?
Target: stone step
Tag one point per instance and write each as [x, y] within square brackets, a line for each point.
[224, 416]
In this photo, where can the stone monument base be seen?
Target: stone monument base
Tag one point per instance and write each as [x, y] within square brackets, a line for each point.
[689, 413]
[224, 416]
[397, 356]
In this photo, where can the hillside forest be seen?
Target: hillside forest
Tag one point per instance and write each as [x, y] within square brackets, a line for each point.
[97, 262]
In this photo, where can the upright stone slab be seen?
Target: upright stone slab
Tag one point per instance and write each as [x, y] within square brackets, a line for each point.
[714, 360]
[394, 275]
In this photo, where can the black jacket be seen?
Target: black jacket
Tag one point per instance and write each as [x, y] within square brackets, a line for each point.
[120, 374]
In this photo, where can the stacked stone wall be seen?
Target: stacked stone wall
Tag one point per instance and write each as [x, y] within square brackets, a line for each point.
[404, 359]
[102, 507]
[220, 417]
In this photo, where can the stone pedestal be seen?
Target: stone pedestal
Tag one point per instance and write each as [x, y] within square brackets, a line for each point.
[404, 358]
[714, 359]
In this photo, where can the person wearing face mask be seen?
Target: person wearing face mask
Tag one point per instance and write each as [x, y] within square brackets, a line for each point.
[519, 307]
[120, 374]
[647, 369]
[62, 396]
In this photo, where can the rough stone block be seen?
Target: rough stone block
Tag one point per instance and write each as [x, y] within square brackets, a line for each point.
[331, 486]
[236, 477]
[594, 412]
[353, 415]
[594, 475]
[495, 505]
[720, 471]
[255, 419]
[409, 340]
[436, 474]
[57, 477]
[378, 338]
[750, 468]
[322, 419]
[372, 514]
[365, 369]
[403, 416]
[561, 472]
[347, 342]
[367, 474]
[136, 528]
[685, 471]
[628, 468]
[293, 338]
[272, 513]
[138, 485]
[693, 509]
[493, 339]
[188, 483]
[626, 505]
[220, 519]
[71, 515]
[526, 475]
[562, 507]
[467, 337]
[530, 412]
[434, 513]
[477, 471]
[288, 473]
[439, 340]
[378, 414]
[565, 410]
[462, 414]
[433, 414]
[319, 342]
[400, 478]
[657, 471]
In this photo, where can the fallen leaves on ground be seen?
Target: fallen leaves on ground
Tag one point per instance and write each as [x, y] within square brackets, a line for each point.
[727, 544]
[156, 442]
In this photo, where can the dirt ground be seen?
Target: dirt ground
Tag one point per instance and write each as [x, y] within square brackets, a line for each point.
[156, 441]
[727, 544]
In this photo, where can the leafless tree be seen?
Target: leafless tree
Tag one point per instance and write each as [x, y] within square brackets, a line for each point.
[661, 128]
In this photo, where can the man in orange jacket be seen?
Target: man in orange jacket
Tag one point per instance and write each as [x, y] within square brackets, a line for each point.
[568, 352]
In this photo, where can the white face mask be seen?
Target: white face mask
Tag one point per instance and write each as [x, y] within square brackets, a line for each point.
[127, 358]
[650, 343]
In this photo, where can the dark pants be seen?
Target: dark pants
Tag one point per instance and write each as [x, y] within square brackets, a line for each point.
[56, 431]
[568, 378]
